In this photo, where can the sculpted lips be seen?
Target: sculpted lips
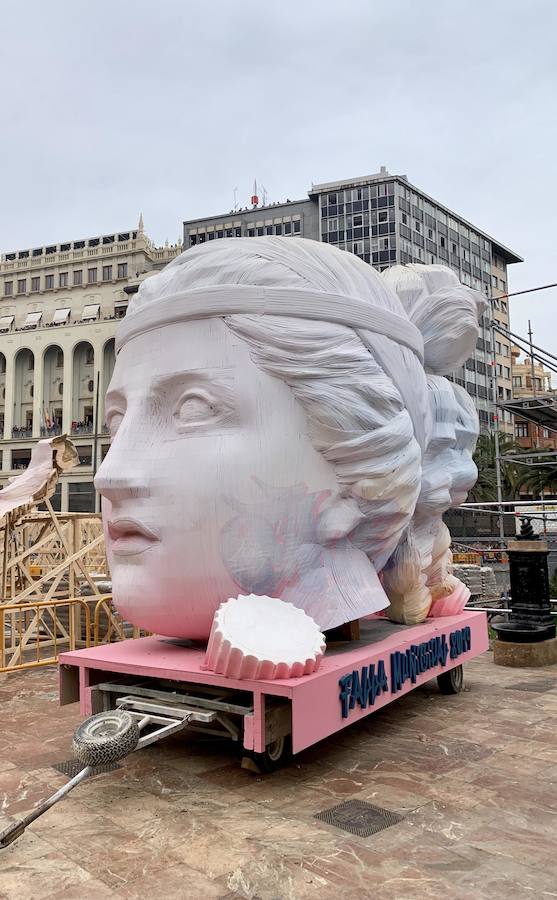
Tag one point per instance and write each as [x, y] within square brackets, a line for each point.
[129, 536]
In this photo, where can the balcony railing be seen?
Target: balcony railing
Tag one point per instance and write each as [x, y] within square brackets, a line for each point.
[20, 432]
[82, 428]
[50, 431]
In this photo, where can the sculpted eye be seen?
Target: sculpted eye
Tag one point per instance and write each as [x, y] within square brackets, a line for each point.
[195, 408]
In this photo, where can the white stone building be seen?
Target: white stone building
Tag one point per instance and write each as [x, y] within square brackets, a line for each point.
[59, 308]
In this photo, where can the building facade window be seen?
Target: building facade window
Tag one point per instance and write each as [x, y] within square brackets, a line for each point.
[63, 279]
[21, 285]
[78, 277]
[521, 429]
[107, 273]
[36, 284]
[8, 288]
[81, 496]
[122, 270]
[49, 282]
[517, 380]
[91, 276]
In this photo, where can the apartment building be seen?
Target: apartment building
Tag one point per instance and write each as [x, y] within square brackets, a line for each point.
[59, 308]
[531, 381]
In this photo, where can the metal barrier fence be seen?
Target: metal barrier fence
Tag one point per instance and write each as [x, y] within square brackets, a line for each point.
[34, 633]
[108, 626]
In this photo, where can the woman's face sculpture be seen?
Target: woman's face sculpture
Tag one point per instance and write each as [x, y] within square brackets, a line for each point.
[438, 463]
[464, 469]
[209, 459]
[449, 471]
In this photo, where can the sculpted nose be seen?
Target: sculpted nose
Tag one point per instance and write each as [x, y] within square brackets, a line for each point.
[119, 477]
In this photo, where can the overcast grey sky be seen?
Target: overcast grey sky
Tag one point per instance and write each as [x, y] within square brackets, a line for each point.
[121, 106]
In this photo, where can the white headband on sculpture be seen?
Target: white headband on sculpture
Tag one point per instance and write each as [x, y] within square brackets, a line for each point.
[234, 300]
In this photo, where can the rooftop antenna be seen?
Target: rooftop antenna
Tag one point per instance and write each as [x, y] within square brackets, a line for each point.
[254, 197]
[235, 199]
[264, 195]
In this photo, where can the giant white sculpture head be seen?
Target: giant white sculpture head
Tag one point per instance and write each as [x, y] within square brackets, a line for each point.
[447, 313]
[464, 469]
[268, 412]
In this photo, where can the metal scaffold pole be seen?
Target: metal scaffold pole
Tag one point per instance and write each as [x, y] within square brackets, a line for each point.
[495, 415]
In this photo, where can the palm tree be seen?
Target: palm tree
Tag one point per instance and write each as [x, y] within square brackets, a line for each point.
[541, 480]
[512, 474]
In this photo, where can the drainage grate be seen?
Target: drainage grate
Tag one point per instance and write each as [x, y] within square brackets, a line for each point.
[535, 687]
[72, 767]
[359, 817]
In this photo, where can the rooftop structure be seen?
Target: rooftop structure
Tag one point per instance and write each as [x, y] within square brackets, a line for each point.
[534, 404]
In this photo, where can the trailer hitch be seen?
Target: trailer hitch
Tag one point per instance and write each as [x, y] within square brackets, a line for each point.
[110, 736]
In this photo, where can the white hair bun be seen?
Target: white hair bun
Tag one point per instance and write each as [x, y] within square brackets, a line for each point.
[445, 311]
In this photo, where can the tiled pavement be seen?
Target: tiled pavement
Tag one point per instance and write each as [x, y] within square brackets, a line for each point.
[474, 775]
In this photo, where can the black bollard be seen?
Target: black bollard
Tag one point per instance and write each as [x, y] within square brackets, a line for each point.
[530, 620]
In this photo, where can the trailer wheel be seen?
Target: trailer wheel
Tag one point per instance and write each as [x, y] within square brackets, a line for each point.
[276, 754]
[105, 738]
[451, 682]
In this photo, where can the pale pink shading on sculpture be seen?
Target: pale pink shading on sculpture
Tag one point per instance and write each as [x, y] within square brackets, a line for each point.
[49, 458]
[263, 637]
[449, 604]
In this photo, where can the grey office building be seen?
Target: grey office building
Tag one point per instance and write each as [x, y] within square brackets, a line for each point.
[384, 220]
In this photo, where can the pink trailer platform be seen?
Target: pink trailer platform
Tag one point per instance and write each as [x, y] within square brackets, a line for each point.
[354, 680]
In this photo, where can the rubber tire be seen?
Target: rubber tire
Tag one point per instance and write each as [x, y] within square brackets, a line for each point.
[451, 682]
[276, 755]
[106, 738]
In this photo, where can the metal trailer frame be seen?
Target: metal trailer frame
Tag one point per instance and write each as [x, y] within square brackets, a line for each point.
[354, 680]
[139, 691]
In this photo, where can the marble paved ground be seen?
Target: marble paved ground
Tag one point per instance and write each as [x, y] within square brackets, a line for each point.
[474, 775]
